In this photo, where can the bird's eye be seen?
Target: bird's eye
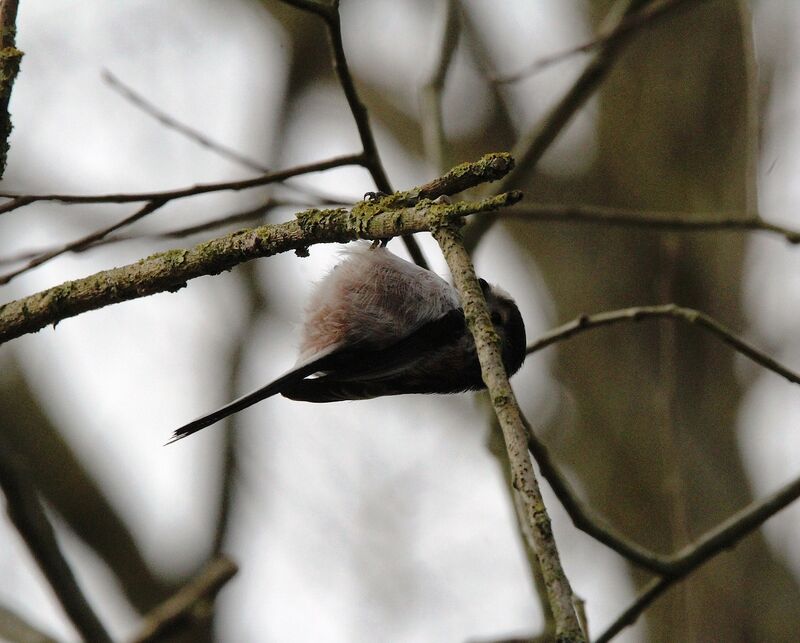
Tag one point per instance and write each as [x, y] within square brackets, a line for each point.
[497, 318]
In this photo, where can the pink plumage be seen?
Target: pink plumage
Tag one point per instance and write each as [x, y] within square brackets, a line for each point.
[369, 296]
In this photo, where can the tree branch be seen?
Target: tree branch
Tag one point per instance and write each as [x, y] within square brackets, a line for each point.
[508, 414]
[497, 447]
[28, 516]
[248, 216]
[688, 315]
[722, 537]
[189, 604]
[670, 569]
[169, 122]
[201, 139]
[371, 159]
[19, 200]
[583, 519]
[532, 146]
[83, 242]
[635, 22]
[10, 58]
[673, 221]
[169, 271]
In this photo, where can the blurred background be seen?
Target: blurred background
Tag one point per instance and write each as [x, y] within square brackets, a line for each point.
[389, 519]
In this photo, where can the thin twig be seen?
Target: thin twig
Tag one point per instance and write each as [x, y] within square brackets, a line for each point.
[169, 271]
[84, 242]
[372, 159]
[203, 140]
[673, 221]
[688, 315]
[28, 516]
[139, 101]
[19, 200]
[236, 218]
[557, 213]
[559, 592]
[492, 167]
[644, 18]
[180, 610]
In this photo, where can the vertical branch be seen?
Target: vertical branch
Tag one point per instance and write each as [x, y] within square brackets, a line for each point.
[10, 58]
[496, 445]
[27, 514]
[371, 159]
[507, 410]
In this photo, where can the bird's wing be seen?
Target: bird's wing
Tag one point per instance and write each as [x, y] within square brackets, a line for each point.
[358, 372]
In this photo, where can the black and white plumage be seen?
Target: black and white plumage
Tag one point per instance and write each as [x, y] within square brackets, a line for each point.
[378, 325]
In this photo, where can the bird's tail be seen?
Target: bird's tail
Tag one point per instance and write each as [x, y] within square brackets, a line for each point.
[292, 377]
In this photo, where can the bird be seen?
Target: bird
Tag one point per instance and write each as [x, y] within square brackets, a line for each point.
[378, 325]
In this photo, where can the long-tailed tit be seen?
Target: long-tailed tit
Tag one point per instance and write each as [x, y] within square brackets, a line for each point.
[378, 325]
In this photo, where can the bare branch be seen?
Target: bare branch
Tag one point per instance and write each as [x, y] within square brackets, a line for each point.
[688, 315]
[722, 537]
[635, 22]
[492, 167]
[19, 200]
[169, 271]
[168, 121]
[83, 242]
[372, 159]
[670, 569]
[370, 156]
[497, 447]
[673, 221]
[583, 519]
[559, 592]
[201, 139]
[532, 146]
[28, 516]
[181, 609]
[245, 216]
